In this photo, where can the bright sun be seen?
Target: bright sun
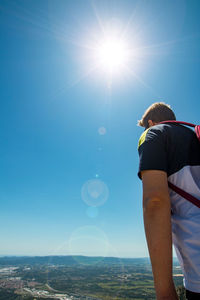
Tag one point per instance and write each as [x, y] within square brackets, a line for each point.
[112, 54]
[109, 52]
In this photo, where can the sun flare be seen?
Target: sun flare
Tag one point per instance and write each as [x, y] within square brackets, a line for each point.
[111, 54]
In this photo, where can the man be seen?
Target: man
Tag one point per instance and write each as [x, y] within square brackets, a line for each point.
[170, 152]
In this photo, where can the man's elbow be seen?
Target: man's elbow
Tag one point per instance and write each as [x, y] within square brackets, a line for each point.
[153, 203]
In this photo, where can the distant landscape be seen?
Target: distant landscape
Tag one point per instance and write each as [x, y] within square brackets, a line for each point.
[79, 277]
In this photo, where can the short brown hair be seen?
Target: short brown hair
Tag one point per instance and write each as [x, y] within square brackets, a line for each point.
[157, 112]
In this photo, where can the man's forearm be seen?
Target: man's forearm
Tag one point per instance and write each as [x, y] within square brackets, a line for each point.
[157, 222]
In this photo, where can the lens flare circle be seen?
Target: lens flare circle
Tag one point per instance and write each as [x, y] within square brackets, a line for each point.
[102, 130]
[92, 212]
[94, 192]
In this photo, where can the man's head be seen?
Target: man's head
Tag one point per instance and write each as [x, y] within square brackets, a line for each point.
[157, 112]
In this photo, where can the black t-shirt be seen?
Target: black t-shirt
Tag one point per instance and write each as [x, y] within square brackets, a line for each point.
[168, 147]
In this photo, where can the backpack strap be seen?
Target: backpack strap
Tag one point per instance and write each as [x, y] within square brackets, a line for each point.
[184, 194]
[178, 122]
[197, 131]
[196, 127]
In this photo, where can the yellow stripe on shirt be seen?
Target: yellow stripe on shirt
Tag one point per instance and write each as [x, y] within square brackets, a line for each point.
[142, 138]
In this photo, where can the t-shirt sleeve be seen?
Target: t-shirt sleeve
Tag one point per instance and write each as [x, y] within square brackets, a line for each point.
[152, 152]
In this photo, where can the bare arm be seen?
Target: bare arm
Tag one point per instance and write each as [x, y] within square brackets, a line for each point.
[157, 222]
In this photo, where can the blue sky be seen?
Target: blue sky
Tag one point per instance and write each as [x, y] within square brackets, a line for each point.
[68, 155]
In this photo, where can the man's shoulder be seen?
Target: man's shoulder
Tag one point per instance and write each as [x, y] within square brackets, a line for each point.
[152, 133]
[143, 137]
[164, 131]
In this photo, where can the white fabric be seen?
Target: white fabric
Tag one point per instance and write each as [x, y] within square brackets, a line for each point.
[186, 225]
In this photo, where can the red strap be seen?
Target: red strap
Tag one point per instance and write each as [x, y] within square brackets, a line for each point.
[197, 130]
[196, 127]
[178, 122]
[184, 194]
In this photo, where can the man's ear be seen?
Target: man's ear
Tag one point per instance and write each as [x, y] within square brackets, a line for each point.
[151, 123]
